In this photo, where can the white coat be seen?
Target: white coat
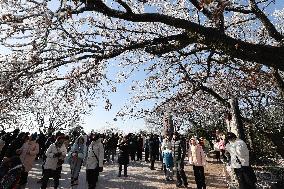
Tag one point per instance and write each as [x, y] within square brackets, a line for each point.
[239, 149]
[51, 161]
[95, 148]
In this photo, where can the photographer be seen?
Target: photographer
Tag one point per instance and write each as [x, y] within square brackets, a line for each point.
[55, 155]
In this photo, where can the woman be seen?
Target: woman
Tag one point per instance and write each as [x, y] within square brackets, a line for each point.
[55, 155]
[94, 162]
[123, 156]
[196, 158]
[76, 157]
[28, 153]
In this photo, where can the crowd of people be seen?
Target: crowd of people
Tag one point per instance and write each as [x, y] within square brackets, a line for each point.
[19, 150]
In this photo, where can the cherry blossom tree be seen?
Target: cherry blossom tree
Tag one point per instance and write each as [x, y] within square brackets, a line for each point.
[199, 52]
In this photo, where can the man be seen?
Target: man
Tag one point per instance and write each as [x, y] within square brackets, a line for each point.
[55, 155]
[179, 150]
[239, 154]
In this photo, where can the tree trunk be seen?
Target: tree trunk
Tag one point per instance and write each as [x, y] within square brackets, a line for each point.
[236, 125]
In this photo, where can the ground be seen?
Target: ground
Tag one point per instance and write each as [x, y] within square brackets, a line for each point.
[140, 177]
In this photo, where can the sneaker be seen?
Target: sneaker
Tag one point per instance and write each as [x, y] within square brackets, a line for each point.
[125, 175]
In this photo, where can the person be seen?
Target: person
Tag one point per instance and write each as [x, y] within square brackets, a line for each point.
[139, 147]
[205, 145]
[153, 151]
[239, 155]
[41, 141]
[75, 158]
[28, 153]
[221, 146]
[50, 140]
[123, 156]
[15, 144]
[2, 143]
[12, 178]
[94, 161]
[4, 167]
[179, 149]
[55, 155]
[168, 162]
[196, 157]
[146, 148]
[166, 142]
[132, 146]
[112, 146]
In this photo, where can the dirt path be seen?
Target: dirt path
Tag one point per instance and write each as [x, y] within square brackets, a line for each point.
[140, 177]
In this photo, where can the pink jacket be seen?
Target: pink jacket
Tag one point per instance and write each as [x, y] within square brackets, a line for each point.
[196, 155]
[29, 150]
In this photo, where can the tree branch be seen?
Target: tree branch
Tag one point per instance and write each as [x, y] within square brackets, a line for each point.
[266, 22]
[279, 80]
[204, 88]
[268, 55]
[127, 8]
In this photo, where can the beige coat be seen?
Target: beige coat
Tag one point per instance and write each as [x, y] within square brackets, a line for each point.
[196, 155]
[28, 153]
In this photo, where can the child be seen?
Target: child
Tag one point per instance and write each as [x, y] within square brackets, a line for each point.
[168, 161]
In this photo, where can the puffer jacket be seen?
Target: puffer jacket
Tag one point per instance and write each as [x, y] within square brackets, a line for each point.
[51, 161]
[95, 155]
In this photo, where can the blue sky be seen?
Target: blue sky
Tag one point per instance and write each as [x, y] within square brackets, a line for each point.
[100, 118]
